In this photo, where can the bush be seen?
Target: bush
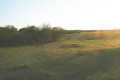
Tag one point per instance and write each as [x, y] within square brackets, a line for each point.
[9, 35]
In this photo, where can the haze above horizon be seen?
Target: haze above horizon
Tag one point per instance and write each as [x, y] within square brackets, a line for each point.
[70, 14]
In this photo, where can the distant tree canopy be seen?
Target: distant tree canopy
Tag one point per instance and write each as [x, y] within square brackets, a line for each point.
[10, 36]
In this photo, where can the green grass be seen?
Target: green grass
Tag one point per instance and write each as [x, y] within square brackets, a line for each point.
[96, 59]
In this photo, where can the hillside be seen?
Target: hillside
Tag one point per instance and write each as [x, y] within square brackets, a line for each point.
[90, 35]
[89, 55]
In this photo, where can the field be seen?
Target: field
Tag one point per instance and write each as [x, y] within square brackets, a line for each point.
[77, 56]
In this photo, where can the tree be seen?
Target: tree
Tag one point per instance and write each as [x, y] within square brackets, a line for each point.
[7, 35]
[46, 34]
[29, 35]
[57, 33]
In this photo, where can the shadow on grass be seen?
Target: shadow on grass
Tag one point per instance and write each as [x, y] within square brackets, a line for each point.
[77, 66]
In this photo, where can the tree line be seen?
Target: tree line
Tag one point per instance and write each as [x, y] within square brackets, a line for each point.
[11, 36]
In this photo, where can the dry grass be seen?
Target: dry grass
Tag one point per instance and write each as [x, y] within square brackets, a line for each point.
[73, 59]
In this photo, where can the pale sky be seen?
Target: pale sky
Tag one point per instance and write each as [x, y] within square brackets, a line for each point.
[70, 14]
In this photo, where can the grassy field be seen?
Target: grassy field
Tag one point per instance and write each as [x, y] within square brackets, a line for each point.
[84, 56]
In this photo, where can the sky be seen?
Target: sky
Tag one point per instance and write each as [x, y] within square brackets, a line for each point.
[69, 14]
